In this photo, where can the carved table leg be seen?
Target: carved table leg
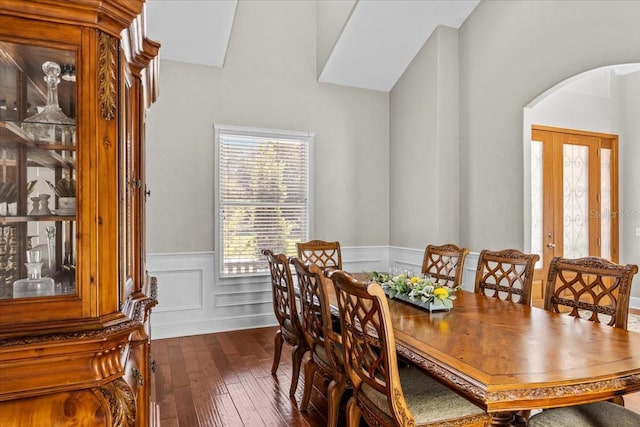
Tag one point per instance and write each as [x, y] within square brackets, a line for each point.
[501, 419]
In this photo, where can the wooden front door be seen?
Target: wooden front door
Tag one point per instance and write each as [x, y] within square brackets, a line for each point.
[574, 197]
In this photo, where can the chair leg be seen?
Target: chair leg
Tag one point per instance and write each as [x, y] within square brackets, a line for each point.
[335, 391]
[618, 400]
[353, 413]
[309, 372]
[277, 351]
[298, 353]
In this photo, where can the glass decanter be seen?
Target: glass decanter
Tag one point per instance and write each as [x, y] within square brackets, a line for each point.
[34, 285]
[51, 124]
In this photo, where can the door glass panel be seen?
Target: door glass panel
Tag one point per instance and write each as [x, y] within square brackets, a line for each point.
[575, 194]
[536, 200]
[37, 171]
[605, 203]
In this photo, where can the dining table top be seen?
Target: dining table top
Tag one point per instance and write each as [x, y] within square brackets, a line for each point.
[507, 357]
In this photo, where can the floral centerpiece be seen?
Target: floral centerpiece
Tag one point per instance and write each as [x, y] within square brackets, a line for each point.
[414, 289]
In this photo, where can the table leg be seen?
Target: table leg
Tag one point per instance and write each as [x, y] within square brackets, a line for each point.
[503, 419]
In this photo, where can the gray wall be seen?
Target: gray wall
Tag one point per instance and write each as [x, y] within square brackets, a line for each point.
[424, 174]
[445, 145]
[269, 80]
[509, 53]
[630, 175]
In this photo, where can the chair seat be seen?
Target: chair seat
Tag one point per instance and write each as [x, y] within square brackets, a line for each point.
[599, 414]
[320, 354]
[429, 401]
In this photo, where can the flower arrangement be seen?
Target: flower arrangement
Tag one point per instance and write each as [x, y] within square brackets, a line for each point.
[425, 290]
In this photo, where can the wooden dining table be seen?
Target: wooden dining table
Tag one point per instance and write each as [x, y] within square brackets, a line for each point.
[507, 357]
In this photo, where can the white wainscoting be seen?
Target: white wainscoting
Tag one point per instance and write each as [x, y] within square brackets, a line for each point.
[192, 301]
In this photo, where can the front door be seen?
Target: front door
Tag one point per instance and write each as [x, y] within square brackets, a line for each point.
[574, 197]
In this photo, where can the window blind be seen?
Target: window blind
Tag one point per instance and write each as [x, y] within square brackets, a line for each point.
[263, 198]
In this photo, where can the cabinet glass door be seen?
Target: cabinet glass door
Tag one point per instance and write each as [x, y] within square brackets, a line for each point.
[37, 171]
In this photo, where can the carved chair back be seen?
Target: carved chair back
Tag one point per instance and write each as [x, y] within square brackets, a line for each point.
[369, 342]
[314, 303]
[506, 274]
[592, 288]
[283, 292]
[326, 255]
[324, 342]
[444, 264]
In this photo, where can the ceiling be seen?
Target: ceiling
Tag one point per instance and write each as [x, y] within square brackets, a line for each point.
[378, 40]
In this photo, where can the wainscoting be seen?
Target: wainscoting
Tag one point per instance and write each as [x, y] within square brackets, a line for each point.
[192, 300]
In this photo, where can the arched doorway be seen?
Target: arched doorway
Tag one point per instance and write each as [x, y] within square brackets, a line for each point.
[594, 103]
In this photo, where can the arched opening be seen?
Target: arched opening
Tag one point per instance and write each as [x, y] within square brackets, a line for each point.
[601, 102]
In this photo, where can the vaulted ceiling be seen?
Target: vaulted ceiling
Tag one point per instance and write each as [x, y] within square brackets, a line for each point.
[374, 41]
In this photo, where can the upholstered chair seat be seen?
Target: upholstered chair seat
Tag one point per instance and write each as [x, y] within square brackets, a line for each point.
[384, 394]
[430, 402]
[599, 414]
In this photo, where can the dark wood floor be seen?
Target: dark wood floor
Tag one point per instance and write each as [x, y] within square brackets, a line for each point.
[225, 379]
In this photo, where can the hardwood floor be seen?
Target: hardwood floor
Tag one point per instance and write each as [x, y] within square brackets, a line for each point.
[224, 379]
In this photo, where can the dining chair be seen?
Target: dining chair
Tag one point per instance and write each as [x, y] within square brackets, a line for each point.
[598, 290]
[444, 264]
[591, 288]
[506, 274]
[286, 311]
[325, 345]
[383, 393]
[326, 255]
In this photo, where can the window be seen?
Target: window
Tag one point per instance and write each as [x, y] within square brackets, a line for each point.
[262, 197]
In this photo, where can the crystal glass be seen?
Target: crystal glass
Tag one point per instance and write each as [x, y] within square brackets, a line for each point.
[34, 285]
[51, 124]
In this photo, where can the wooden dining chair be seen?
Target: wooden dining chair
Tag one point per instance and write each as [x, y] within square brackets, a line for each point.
[285, 309]
[326, 255]
[598, 290]
[506, 274]
[325, 345]
[383, 393]
[444, 264]
[591, 288]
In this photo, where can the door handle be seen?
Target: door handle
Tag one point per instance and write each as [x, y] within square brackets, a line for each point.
[551, 245]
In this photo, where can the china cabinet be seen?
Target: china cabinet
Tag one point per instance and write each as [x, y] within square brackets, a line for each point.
[76, 79]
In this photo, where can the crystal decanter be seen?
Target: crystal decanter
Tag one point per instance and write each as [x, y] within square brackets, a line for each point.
[51, 124]
[34, 285]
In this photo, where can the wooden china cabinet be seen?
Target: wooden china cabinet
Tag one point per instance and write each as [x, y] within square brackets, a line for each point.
[76, 79]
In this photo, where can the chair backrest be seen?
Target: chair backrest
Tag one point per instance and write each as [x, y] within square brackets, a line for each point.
[592, 288]
[506, 274]
[444, 264]
[326, 255]
[368, 340]
[283, 292]
[314, 302]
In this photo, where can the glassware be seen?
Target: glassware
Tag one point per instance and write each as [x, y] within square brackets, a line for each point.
[51, 124]
[34, 285]
[51, 237]
[44, 204]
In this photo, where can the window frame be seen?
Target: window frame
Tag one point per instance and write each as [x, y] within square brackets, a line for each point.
[222, 129]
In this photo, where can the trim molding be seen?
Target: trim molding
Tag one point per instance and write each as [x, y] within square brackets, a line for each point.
[192, 301]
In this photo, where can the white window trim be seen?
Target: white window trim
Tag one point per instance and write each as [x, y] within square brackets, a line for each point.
[252, 131]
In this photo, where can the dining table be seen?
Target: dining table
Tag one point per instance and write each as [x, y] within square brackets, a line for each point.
[507, 357]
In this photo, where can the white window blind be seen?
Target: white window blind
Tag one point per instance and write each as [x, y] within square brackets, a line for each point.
[263, 196]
